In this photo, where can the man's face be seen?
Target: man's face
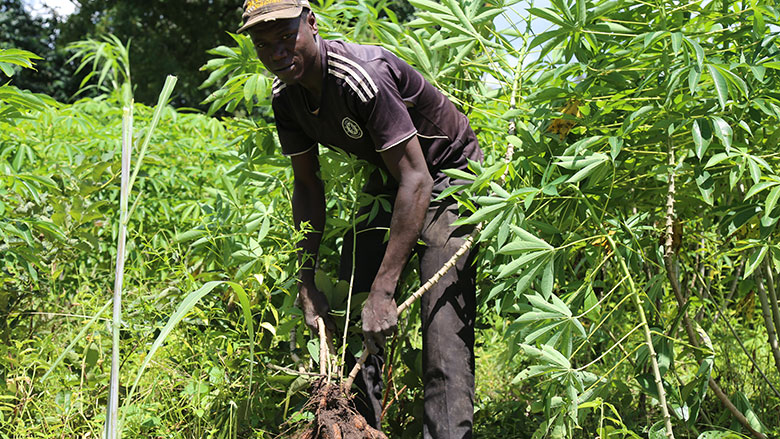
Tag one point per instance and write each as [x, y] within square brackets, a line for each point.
[287, 48]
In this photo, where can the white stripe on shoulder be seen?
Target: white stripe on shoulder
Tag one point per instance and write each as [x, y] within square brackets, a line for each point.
[431, 137]
[357, 79]
[278, 86]
[348, 80]
[302, 152]
[358, 67]
[402, 140]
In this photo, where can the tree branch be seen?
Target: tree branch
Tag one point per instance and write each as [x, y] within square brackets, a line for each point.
[765, 311]
[670, 263]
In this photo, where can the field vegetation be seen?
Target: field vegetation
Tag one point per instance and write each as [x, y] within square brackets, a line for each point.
[627, 260]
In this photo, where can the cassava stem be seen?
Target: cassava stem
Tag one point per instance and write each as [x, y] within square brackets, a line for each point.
[767, 315]
[637, 301]
[670, 264]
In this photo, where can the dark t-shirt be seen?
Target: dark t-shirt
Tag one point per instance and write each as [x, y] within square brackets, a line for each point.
[371, 101]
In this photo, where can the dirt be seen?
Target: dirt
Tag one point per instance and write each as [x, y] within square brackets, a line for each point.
[335, 416]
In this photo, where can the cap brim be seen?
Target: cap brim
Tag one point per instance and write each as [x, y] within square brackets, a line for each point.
[275, 15]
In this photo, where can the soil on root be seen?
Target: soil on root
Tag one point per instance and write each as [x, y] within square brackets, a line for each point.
[335, 417]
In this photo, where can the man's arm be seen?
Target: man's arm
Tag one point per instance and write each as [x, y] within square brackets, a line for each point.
[308, 205]
[406, 164]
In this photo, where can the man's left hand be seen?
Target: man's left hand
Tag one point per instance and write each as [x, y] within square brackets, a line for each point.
[380, 319]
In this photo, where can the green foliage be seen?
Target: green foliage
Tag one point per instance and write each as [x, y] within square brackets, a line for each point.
[109, 61]
[167, 38]
[21, 29]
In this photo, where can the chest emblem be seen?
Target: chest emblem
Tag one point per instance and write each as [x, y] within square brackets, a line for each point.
[351, 128]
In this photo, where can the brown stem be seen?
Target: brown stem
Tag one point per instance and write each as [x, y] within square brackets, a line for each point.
[719, 313]
[733, 289]
[670, 263]
[765, 311]
[770, 283]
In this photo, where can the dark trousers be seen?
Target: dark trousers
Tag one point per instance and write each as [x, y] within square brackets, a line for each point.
[447, 310]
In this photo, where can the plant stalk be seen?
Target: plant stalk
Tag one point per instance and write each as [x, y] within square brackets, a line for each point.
[770, 283]
[766, 313]
[111, 431]
[670, 263]
[416, 295]
[642, 319]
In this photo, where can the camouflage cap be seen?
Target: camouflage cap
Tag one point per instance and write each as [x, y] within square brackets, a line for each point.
[258, 11]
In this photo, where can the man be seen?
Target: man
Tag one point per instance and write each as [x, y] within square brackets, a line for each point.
[367, 102]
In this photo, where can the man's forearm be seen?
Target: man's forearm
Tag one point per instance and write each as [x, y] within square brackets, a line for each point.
[308, 204]
[409, 210]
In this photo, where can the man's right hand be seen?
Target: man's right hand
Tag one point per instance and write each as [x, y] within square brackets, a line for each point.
[314, 304]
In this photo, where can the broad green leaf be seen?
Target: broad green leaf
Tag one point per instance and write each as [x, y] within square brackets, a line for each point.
[697, 50]
[461, 15]
[694, 76]
[585, 172]
[716, 159]
[657, 431]
[519, 247]
[771, 201]
[580, 13]
[616, 145]
[706, 186]
[548, 353]
[734, 80]
[490, 230]
[459, 175]
[190, 234]
[755, 171]
[556, 306]
[482, 214]
[548, 280]
[533, 316]
[758, 187]
[743, 405]
[431, 6]
[268, 327]
[721, 87]
[542, 331]
[754, 260]
[676, 41]
[549, 15]
[580, 162]
[526, 236]
[699, 141]
[758, 72]
[583, 145]
[249, 88]
[723, 131]
[514, 266]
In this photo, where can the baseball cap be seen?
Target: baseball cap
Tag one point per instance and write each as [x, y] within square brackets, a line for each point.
[258, 11]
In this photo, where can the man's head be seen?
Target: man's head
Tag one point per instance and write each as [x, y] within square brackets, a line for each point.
[284, 33]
